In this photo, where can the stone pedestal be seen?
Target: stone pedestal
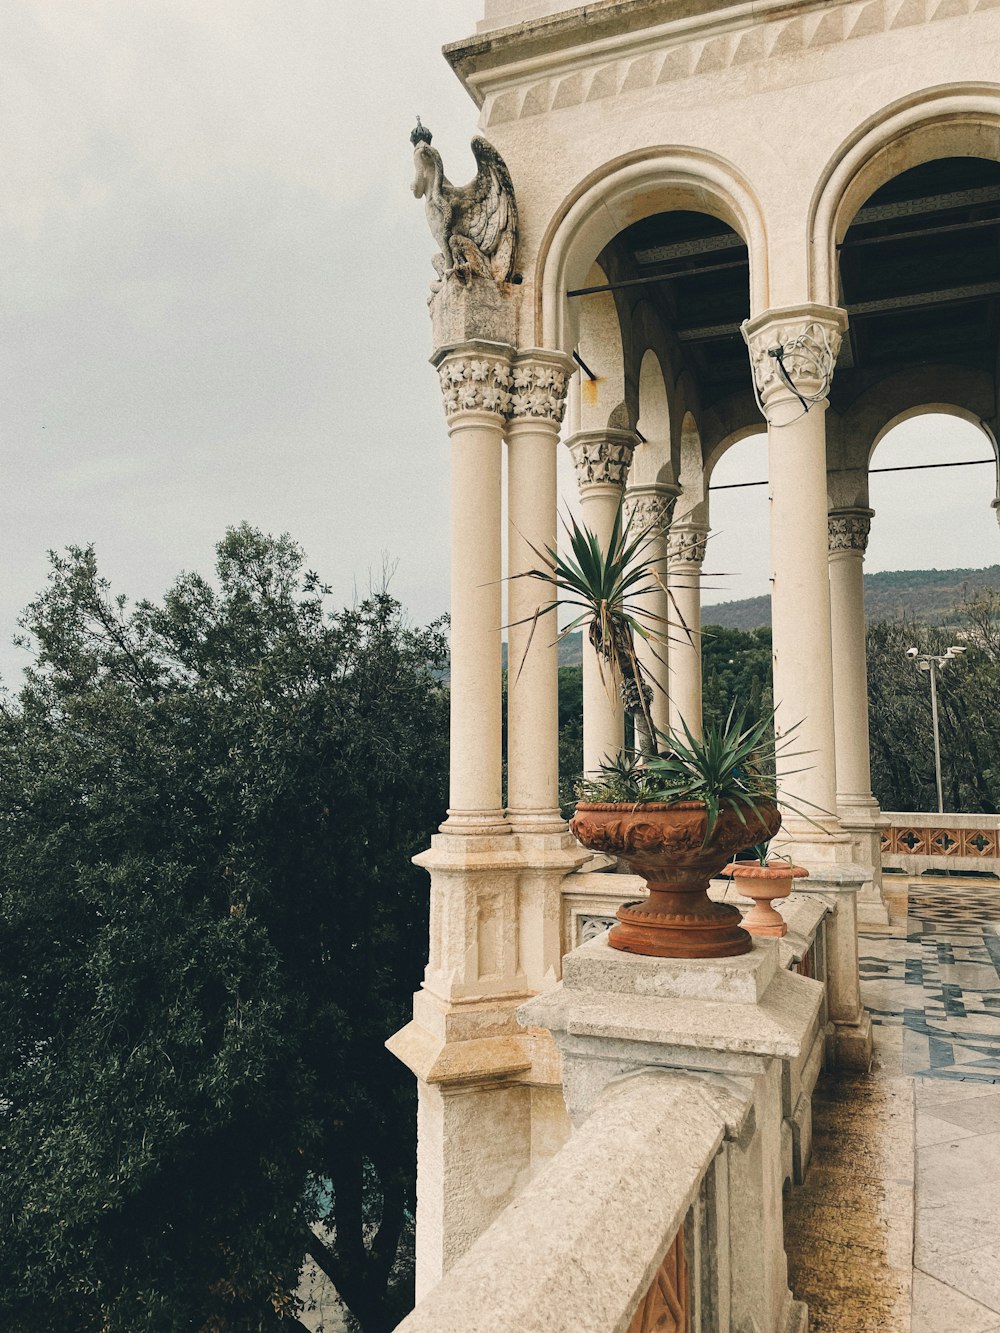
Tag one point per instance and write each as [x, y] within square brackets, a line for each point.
[742, 1022]
[490, 1108]
[837, 886]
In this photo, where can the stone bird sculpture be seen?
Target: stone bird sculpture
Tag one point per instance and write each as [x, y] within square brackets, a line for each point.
[476, 224]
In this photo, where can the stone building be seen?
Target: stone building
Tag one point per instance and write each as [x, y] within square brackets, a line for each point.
[717, 216]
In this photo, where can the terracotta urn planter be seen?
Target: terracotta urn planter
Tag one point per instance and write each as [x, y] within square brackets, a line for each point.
[763, 884]
[665, 844]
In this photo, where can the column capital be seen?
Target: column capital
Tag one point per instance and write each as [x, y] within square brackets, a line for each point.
[651, 507]
[793, 352]
[848, 529]
[686, 546]
[602, 457]
[539, 380]
[475, 377]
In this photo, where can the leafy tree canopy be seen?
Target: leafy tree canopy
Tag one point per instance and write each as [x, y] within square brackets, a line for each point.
[209, 925]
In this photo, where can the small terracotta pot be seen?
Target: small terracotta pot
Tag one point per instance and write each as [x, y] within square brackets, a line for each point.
[763, 884]
[665, 844]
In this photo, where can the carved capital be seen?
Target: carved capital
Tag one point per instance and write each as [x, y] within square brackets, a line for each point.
[793, 352]
[848, 529]
[686, 547]
[476, 378]
[538, 386]
[651, 508]
[602, 457]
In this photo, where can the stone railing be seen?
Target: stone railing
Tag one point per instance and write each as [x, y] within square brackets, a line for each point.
[915, 841]
[618, 1231]
[689, 1086]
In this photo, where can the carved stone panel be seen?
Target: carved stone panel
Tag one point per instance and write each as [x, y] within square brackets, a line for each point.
[666, 1306]
[848, 529]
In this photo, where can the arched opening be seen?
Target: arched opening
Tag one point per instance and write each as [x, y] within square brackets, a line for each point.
[737, 560]
[919, 273]
[932, 557]
[651, 462]
[661, 253]
[930, 520]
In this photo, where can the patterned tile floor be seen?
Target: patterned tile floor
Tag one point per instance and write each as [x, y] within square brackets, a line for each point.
[940, 981]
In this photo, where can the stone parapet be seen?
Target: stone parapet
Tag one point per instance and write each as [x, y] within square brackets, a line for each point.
[914, 841]
[579, 1248]
[689, 1082]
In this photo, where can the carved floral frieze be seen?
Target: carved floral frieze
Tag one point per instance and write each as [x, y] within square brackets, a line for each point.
[686, 546]
[650, 511]
[538, 391]
[533, 390]
[849, 531]
[603, 461]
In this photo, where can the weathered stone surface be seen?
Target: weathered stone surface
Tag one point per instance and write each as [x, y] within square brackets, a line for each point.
[579, 1247]
[743, 980]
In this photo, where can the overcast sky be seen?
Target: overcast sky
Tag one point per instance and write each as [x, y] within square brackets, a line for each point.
[213, 303]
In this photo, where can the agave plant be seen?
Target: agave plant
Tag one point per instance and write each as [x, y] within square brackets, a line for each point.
[607, 587]
[732, 766]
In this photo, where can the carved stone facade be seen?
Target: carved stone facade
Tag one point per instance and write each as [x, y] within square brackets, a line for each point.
[686, 546]
[602, 458]
[471, 383]
[714, 47]
[796, 355]
[651, 508]
[848, 529]
[532, 388]
[538, 389]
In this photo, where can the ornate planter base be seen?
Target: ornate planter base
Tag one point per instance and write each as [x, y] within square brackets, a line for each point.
[666, 845]
[699, 930]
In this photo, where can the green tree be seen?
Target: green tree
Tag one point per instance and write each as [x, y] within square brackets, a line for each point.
[736, 670]
[570, 735]
[899, 713]
[209, 924]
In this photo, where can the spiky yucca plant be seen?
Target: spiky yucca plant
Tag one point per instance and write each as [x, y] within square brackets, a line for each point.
[606, 588]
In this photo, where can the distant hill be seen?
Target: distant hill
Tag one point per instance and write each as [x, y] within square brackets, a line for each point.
[930, 595]
[570, 651]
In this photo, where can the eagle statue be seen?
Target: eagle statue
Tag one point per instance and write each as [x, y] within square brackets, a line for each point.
[476, 224]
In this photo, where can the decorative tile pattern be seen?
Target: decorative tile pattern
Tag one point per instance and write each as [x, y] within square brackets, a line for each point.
[941, 983]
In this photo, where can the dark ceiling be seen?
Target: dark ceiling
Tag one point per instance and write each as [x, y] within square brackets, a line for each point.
[920, 278]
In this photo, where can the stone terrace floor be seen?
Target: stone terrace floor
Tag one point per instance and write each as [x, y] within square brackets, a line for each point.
[897, 1227]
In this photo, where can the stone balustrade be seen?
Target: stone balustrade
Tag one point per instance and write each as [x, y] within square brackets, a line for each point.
[626, 1225]
[915, 841]
[689, 1086]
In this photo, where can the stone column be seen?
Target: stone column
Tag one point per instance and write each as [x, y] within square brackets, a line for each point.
[858, 810]
[793, 352]
[536, 408]
[809, 338]
[475, 382]
[650, 509]
[602, 461]
[488, 1093]
[686, 556]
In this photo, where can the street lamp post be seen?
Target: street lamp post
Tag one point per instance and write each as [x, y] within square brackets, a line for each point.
[933, 663]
